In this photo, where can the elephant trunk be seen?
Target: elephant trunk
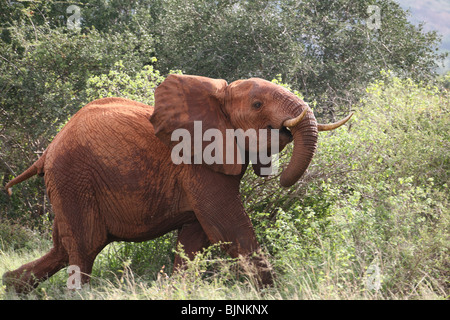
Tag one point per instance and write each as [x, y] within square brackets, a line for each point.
[304, 134]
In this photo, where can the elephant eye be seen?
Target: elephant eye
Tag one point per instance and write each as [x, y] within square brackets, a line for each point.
[257, 104]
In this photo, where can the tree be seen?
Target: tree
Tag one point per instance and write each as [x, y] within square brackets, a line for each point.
[329, 50]
[44, 73]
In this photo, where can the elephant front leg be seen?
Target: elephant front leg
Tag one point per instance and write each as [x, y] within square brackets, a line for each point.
[218, 207]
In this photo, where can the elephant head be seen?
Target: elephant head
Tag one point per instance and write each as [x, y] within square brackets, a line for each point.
[181, 100]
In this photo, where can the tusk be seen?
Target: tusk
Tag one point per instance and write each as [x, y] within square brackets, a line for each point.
[294, 121]
[332, 126]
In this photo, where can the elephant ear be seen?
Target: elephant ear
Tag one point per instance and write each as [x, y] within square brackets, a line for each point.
[185, 108]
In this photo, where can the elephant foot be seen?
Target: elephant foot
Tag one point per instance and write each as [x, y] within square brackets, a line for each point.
[20, 283]
[258, 269]
[28, 276]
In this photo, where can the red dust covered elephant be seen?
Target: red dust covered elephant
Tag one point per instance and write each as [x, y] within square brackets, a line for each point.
[111, 173]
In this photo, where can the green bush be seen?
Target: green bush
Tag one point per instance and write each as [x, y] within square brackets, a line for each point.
[374, 195]
[13, 236]
[118, 83]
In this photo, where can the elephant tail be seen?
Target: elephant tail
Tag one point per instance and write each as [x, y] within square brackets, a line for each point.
[35, 168]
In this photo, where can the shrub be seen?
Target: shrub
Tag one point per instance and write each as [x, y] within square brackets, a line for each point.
[13, 236]
[374, 195]
[118, 83]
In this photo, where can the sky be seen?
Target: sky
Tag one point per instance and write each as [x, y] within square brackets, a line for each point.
[436, 15]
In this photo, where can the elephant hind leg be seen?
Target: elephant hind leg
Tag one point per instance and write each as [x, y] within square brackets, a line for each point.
[84, 261]
[84, 244]
[81, 229]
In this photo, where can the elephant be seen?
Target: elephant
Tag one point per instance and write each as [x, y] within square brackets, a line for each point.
[110, 175]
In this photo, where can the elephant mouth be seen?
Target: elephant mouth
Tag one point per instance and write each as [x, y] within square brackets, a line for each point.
[284, 132]
[287, 133]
